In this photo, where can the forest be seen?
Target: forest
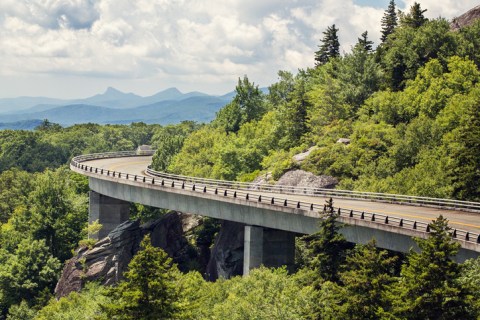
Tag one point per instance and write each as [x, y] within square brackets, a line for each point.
[409, 106]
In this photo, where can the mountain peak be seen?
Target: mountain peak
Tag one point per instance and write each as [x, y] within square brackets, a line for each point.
[111, 90]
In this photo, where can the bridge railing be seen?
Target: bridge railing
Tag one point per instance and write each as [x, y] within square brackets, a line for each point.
[226, 191]
[345, 194]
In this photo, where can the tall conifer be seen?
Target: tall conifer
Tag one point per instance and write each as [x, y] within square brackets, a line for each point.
[389, 21]
[430, 287]
[328, 247]
[330, 47]
[415, 17]
[364, 43]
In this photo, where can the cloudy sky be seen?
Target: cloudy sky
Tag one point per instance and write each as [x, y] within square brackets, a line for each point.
[77, 48]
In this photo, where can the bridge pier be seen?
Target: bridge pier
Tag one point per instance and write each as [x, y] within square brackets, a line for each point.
[268, 247]
[109, 212]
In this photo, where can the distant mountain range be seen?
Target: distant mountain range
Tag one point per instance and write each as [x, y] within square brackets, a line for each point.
[112, 107]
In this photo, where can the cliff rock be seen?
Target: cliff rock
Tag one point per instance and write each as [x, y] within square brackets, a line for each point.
[226, 259]
[465, 19]
[109, 257]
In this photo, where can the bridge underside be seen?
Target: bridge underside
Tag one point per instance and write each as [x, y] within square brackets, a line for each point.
[269, 233]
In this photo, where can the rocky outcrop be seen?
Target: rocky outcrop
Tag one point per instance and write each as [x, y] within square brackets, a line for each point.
[300, 178]
[344, 141]
[261, 179]
[300, 157]
[108, 259]
[226, 259]
[465, 19]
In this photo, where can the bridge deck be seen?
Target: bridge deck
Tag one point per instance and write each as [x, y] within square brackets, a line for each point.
[458, 219]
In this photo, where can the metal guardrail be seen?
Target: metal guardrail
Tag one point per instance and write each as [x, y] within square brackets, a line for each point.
[346, 194]
[233, 190]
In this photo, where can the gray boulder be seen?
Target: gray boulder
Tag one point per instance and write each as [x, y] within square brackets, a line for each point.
[300, 178]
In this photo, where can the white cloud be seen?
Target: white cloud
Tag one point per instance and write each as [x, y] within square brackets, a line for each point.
[448, 9]
[147, 45]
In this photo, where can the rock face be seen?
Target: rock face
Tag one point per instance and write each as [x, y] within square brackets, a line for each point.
[226, 259]
[300, 178]
[300, 157]
[261, 179]
[110, 256]
[465, 19]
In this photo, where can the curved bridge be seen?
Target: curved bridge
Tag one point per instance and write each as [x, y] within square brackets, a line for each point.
[272, 215]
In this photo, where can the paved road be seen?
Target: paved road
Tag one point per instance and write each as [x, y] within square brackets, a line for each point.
[458, 219]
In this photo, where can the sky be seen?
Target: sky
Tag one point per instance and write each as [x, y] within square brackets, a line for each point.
[78, 48]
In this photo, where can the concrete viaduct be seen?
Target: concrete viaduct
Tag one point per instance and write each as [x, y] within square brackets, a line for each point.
[273, 216]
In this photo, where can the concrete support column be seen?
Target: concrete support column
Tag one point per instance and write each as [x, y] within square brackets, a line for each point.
[109, 212]
[252, 249]
[269, 247]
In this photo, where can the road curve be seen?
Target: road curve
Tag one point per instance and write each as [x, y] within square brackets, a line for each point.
[457, 219]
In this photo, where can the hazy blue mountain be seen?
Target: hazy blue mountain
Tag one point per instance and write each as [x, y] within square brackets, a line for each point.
[9, 105]
[21, 125]
[111, 98]
[197, 108]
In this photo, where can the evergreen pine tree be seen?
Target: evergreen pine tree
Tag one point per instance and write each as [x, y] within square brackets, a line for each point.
[148, 291]
[389, 21]
[415, 17]
[366, 283]
[364, 43]
[328, 247]
[429, 286]
[330, 47]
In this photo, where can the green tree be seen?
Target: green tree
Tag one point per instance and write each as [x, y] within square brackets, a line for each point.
[149, 290]
[279, 92]
[58, 215]
[26, 273]
[364, 43]
[415, 18]
[169, 141]
[389, 21]
[469, 42]
[199, 153]
[330, 47]
[429, 286]
[464, 150]
[263, 294]
[411, 48]
[294, 112]
[247, 105]
[327, 247]
[366, 283]
[15, 186]
[470, 278]
[77, 305]
[359, 76]
[48, 126]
